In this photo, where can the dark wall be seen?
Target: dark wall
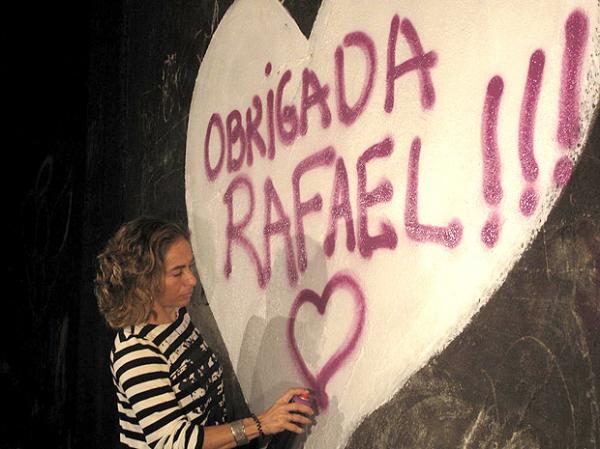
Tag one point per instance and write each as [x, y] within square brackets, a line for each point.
[100, 120]
[44, 72]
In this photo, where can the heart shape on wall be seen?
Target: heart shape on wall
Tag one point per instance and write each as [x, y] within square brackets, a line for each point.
[319, 381]
[416, 148]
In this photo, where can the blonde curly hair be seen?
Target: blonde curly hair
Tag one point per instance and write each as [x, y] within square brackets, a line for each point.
[130, 268]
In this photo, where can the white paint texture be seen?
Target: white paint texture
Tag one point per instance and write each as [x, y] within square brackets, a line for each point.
[420, 295]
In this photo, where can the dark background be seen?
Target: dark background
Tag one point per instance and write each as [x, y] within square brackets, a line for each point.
[98, 94]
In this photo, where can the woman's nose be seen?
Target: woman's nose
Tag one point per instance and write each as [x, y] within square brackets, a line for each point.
[191, 278]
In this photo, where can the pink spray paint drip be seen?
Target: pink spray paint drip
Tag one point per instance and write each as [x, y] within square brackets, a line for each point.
[568, 132]
[492, 188]
[529, 167]
[318, 382]
[450, 235]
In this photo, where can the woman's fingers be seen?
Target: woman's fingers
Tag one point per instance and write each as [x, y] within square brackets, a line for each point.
[296, 407]
[300, 419]
[293, 427]
[288, 395]
[287, 415]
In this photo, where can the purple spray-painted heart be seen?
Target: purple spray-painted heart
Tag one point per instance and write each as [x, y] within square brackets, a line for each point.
[319, 381]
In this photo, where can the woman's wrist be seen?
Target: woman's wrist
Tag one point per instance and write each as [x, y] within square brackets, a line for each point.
[239, 433]
[251, 428]
[258, 423]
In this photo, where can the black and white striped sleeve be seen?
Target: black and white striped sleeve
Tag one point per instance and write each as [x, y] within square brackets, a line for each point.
[141, 373]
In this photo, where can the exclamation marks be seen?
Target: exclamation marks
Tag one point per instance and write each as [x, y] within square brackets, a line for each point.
[568, 133]
[529, 167]
[492, 189]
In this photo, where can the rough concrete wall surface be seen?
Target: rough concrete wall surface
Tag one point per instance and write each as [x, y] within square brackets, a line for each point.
[356, 198]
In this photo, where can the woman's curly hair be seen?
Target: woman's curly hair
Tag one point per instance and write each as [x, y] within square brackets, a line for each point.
[130, 268]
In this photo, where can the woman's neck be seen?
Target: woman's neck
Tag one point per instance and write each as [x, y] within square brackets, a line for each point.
[162, 315]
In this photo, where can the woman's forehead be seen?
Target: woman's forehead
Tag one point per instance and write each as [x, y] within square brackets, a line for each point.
[179, 253]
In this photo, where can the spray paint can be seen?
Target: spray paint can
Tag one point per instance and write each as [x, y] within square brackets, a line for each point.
[288, 439]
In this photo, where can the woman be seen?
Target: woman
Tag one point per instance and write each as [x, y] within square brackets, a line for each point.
[169, 383]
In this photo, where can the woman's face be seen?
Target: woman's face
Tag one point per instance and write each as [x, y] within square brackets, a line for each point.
[178, 281]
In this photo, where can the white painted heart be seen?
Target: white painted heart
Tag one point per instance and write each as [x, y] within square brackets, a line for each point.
[417, 147]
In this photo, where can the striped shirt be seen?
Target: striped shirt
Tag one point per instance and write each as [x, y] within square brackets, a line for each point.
[169, 385]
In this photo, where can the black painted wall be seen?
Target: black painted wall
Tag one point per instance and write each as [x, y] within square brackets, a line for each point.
[45, 64]
[99, 99]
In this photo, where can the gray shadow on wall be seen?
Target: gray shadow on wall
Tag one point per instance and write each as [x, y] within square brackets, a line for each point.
[204, 320]
[266, 342]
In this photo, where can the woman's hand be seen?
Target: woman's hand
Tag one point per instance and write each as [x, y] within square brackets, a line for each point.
[286, 415]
